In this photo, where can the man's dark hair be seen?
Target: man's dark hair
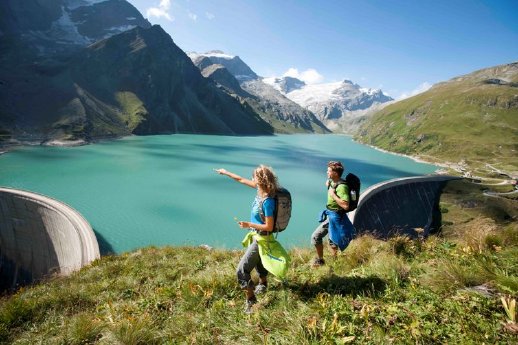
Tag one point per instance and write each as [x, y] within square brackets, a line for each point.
[337, 167]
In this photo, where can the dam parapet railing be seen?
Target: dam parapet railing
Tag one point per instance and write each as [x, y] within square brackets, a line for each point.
[403, 206]
[40, 236]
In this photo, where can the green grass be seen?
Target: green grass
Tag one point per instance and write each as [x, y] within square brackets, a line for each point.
[445, 289]
[189, 295]
[458, 120]
[133, 110]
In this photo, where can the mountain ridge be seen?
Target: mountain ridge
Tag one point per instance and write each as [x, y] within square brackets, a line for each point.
[110, 88]
[283, 114]
[471, 120]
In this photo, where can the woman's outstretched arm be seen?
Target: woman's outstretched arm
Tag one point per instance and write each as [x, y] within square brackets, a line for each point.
[245, 181]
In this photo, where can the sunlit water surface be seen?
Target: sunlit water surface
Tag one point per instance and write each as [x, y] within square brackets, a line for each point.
[162, 190]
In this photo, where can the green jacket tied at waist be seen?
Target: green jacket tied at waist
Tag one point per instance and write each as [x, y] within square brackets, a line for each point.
[274, 257]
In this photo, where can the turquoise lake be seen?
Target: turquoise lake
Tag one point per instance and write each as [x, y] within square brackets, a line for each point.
[162, 190]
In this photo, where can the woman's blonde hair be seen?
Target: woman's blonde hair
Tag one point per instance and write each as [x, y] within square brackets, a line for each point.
[266, 179]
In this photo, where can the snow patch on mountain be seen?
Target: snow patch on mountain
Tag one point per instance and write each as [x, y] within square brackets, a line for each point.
[273, 81]
[73, 4]
[285, 84]
[315, 93]
[64, 29]
[118, 29]
[213, 53]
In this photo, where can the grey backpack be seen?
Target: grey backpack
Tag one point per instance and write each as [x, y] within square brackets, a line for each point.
[282, 213]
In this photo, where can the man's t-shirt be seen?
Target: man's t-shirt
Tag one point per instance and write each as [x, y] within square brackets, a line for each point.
[268, 209]
[342, 191]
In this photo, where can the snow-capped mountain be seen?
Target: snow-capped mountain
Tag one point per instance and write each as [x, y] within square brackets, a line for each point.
[336, 104]
[282, 113]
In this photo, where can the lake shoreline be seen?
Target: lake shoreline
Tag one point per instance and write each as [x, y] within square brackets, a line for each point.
[460, 168]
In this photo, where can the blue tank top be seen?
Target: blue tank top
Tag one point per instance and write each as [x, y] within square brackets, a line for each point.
[268, 209]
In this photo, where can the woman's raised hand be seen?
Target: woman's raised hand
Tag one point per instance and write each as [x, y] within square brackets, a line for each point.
[221, 171]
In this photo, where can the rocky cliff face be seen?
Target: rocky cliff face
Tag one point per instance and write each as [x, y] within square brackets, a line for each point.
[61, 26]
[280, 111]
[240, 80]
[76, 70]
[239, 69]
[224, 79]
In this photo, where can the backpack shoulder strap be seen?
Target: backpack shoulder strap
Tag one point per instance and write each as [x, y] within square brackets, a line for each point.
[338, 183]
[261, 207]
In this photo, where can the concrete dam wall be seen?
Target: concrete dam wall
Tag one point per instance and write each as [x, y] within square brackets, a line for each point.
[41, 236]
[404, 206]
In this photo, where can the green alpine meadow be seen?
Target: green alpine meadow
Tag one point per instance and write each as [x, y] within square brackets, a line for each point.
[470, 120]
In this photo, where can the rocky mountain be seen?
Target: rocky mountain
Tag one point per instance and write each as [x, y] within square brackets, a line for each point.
[224, 79]
[285, 84]
[59, 26]
[341, 106]
[241, 81]
[76, 70]
[237, 67]
[472, 119]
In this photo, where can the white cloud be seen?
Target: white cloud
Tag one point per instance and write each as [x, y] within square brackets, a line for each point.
[193, 16]
[209, 15]
[309, 76]
[161, 11]
[421, 88]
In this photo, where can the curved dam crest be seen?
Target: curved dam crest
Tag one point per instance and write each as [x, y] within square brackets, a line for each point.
[41, 236]
[402, 206]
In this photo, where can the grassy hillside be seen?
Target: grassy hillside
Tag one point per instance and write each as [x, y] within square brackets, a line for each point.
[472, 118]
[446, 289]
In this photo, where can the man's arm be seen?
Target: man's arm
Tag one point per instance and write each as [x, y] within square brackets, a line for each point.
[342, 203]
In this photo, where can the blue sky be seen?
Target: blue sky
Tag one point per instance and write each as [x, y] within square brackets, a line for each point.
[399, 46]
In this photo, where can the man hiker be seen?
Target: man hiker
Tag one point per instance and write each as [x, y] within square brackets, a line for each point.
[334, 218]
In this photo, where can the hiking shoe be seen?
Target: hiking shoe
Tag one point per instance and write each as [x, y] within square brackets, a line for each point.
[318, 262]
[260, 288]
[249, 304]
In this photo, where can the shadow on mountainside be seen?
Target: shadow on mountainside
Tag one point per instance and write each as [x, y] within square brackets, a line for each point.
[335, 285]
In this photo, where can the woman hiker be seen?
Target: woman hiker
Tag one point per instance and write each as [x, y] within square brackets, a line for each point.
[260, 239]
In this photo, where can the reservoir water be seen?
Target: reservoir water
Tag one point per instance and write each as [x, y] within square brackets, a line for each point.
[162, 190]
